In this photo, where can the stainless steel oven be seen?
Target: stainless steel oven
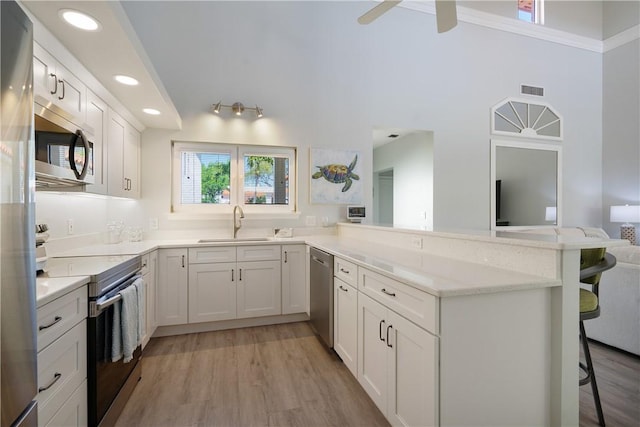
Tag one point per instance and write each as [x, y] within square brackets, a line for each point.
[109, 384]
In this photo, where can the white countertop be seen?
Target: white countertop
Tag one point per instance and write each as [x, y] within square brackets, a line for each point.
[439, 276]
[48, 289]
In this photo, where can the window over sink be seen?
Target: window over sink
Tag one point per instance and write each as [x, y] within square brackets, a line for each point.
[212, 178]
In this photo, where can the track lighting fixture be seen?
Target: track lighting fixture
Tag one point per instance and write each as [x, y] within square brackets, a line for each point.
[237, 107]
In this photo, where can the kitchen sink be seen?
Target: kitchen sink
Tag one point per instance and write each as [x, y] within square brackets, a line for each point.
[232, 240]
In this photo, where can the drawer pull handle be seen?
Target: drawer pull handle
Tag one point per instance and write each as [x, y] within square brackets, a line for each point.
[344, 271]
[232, 274]
[55, 79]
[55, 379]
[61, 97]
[380, 330]
[391, 294]
[342, 288]
[55, 320]
[388, 340]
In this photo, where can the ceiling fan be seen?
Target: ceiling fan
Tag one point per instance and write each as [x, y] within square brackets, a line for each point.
[446, 16]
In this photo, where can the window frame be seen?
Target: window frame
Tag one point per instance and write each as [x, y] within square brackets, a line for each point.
[236, 179]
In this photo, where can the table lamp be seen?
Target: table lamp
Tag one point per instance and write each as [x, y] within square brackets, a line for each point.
[626, 214]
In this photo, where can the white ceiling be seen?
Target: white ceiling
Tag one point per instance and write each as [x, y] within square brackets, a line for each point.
[113, 50]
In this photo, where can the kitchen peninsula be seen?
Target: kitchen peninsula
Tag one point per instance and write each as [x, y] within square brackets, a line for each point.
[501, 316]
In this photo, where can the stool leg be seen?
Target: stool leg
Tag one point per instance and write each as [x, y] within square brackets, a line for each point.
[592, 376]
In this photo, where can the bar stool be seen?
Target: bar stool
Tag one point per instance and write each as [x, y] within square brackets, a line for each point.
[592, 263]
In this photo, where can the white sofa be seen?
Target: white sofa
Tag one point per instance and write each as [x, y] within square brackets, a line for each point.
[619, 321]
[619, 294]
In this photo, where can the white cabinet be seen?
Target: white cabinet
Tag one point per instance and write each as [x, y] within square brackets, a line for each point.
[233, 282]
[124, 158]
[212, 292]
[345, 324]
[97, 111]
[149, 266]
[397, 365]
[258, 289]
[294, 283]
[172, 291]
[62, 359]
[57, 88]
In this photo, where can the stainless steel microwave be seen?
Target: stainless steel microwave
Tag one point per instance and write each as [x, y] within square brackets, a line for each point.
[64, 154]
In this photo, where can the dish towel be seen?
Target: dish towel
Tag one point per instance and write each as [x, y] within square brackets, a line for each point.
[139, 284]
[125, 325]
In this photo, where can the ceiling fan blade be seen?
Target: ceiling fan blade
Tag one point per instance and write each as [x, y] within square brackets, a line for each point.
[378, 10]
[446, 15]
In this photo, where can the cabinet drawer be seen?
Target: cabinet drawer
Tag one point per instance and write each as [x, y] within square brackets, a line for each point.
[62, 367]
[346, 271]
[73, 412]
[259, 253]
[417, 306]
[212, 254]
[61, 315]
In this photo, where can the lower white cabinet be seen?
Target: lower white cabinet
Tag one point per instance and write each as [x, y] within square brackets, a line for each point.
[294, 282]
[212, 292]
[149, 268]
[73, 412]
[258, 289]
[345, 324]
[62, 360]
[172, 291]
[397, 365]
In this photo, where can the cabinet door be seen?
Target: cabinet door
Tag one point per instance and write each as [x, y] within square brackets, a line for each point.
[258, 289]
[152, 317]
[74, 411]
[71, 95]
[212, 292]
[131, 161]
[172, 287]
[116, 136]
[97, 112]
[345, 324]
[412, 374]
[372, 350]
[294, 283]
[44, 73]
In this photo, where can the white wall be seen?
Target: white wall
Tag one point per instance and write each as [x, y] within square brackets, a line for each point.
[621, 131]
[325, 81]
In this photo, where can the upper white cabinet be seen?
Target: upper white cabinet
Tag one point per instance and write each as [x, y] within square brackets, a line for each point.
[57, 87]
[124, 158]
[97, 112]
[294, 283]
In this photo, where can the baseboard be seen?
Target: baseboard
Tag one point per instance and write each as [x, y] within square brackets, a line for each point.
[192, 328]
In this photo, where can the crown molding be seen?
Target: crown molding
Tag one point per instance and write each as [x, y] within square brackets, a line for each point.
[622, 38]
[511, 25]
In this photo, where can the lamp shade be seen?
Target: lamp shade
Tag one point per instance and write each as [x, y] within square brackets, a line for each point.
[625, 213]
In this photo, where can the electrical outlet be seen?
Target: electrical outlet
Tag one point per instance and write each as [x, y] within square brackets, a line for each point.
[153, 223]
[310, 221]
[416, 242]
[70, 226]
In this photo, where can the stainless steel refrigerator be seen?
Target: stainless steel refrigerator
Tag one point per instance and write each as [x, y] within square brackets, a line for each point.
[18, 351]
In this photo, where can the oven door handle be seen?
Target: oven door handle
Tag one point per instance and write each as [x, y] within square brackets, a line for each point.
[96, 307]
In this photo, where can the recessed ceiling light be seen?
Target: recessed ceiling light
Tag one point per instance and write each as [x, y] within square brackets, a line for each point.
[79, 20]
[151, 111]
[126, 80]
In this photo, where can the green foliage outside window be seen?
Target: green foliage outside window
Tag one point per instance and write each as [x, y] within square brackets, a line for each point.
[215, 180]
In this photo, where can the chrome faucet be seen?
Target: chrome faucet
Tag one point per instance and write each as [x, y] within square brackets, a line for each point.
[237, 223]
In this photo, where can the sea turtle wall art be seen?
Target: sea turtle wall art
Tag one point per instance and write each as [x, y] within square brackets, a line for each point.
[335, 177]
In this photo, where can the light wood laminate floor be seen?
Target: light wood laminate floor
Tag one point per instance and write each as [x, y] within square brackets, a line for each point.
[281, 375]
[618, 377]
[276, 375]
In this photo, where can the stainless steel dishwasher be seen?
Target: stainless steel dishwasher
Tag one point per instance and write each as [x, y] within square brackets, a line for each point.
[321, 295]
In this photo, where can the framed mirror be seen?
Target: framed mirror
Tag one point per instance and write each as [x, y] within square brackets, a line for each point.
[526, 182]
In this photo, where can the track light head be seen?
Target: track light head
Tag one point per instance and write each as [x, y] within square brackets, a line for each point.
[237, 108]
[216, 107]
